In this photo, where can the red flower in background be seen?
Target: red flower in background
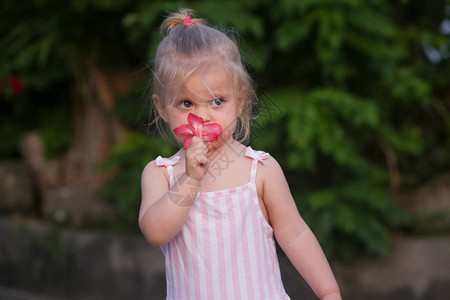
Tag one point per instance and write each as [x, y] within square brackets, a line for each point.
[16, 85]
[196, 127]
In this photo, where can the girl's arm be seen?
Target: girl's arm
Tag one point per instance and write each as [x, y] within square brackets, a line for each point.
[164, 210]
[293, 235]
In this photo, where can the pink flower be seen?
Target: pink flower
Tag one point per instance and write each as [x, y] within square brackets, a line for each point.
[208, 132]
[16, 85]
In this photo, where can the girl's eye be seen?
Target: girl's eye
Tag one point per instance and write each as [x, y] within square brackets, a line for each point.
[185, 103]
[217, 101]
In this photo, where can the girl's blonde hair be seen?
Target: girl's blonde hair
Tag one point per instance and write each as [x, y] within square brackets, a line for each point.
[188, 44]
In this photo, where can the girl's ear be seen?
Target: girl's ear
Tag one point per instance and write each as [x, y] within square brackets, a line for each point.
[160, 107]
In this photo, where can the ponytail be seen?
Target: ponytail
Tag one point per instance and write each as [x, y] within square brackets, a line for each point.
[181, 17]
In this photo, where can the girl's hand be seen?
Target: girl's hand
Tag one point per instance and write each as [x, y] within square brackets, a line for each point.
[197, 159]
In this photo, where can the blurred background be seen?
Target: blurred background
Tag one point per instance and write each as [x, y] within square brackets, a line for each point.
[354, 102]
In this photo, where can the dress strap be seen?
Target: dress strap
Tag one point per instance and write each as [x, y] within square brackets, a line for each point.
[257, 156]
[168, 163]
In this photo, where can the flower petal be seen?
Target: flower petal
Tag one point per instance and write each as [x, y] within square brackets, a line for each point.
[212, 129]
[197, 124]
[209, 138]
[184, 129]
[187, 141]
[208, 132]
[194, 119]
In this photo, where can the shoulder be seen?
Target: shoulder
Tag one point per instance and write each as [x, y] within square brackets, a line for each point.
[270, 168]
[157, 168]
[152, 167]
[269, 176]
[264, 159]
[152, 171]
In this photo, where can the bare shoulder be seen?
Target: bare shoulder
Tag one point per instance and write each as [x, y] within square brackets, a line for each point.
[155, 172]
[152, 169]
[274, 188]
[270, 180]
[270, 169]
[153, 175]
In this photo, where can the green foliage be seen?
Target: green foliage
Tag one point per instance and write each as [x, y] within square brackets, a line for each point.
[349, 83]
[345, 82]
[327, 132]
[353, 215]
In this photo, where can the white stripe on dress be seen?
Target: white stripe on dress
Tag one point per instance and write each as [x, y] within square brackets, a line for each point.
[228, 261]
[250, 276]
[220, 216]
[252, 247]
[215, 260]
[234, 272]
[240, 250]
[206, 238]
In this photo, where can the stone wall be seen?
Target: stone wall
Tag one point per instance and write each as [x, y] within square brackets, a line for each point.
[37, 259]
[16, 188]
[78, 265]
[417, 268]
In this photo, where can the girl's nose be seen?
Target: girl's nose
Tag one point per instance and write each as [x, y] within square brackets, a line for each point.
[204, 114]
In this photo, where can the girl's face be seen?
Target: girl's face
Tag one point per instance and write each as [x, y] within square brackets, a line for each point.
[208, 93]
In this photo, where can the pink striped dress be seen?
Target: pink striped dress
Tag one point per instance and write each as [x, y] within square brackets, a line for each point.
[226, 249]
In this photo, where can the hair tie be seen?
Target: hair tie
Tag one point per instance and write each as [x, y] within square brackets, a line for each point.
[188, 21]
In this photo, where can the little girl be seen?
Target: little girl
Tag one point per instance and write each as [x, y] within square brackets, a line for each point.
[216, 205]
